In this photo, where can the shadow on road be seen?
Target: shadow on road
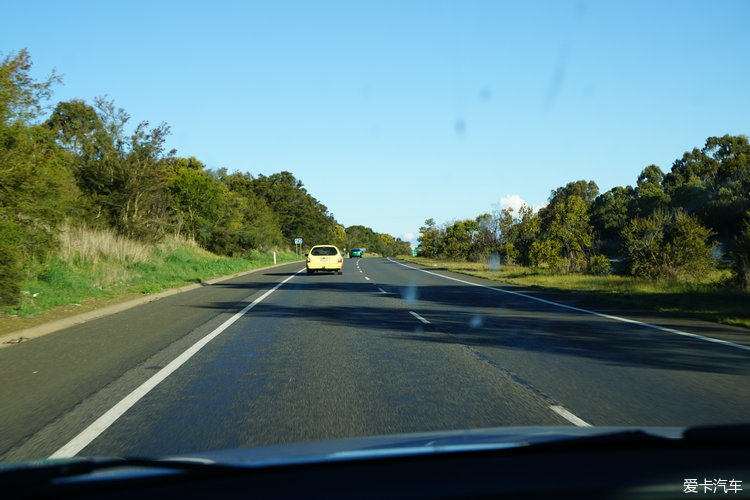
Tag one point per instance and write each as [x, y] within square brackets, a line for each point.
[477, 317]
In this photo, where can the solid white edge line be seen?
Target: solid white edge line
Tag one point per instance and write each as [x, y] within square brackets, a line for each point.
[569, 416]
[420, 318]
[101, 424]
[572, 308]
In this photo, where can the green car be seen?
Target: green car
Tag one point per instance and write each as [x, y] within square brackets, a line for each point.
[355, 252]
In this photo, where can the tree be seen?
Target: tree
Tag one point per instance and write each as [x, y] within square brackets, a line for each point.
[430, 239]
[741, 261]
[730, 191]
[669, 244]
[123, 175]
[32, 174]
[487, 236]
[713, 183]
[339, 238]
[459, 239]
[258, 224]
[384, 244]
[75, 125]
[517, 244]
[492, 231]
[401, 247]
[388, 245]
[358, 236]
[649, 192]
[198, 198]
[300, 215]
[141, 206]
[587, 191]
[22, 100]
[567, 238]
[609, 213]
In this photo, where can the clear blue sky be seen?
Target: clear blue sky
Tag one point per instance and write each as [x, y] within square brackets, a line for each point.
[392, 112]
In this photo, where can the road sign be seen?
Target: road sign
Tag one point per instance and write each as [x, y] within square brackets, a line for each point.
[297, 241]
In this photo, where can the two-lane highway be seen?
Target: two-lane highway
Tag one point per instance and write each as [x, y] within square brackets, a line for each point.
[279, 357]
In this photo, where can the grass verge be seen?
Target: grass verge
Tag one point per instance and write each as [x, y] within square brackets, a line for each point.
[709, 300]
[98, 268]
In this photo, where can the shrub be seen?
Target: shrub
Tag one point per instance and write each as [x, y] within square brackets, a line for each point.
[741, 264]
[10, 270]
[670, 245]
[599, 264]
[546, 251]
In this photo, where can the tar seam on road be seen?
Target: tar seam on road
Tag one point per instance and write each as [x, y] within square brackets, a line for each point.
[601, 315]
[551, 404]
[102, 423]
[560, 410]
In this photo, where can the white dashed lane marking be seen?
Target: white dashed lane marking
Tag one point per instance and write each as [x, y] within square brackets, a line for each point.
[420, 318]
[569, 416]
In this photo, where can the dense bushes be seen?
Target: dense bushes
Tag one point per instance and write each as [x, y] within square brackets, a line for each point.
[741, 265]
[668, 226]
[669, 244]
[32, 176]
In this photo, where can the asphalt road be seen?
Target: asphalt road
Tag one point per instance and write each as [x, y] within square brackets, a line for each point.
[383, 348]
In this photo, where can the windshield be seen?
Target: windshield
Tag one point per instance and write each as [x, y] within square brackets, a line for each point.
[324, 251]
[554, 200]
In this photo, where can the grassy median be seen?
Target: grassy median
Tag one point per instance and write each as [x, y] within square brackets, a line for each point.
[98, 268]
[713, 299]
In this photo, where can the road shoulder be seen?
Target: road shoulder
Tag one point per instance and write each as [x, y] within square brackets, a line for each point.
[71, 317]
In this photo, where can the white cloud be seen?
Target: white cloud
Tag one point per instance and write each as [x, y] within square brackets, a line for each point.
[512, 201]
[515, 202]
[410, 237]
[537, 208]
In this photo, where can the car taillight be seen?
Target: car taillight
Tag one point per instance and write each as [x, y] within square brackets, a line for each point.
[340, 259]
[308, 260]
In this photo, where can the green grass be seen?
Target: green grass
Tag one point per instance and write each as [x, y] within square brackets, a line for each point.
[95, 265]
[712, 300]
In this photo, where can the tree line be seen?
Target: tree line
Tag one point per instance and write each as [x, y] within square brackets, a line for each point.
[379, 243]
[675, 225]
[82, 164]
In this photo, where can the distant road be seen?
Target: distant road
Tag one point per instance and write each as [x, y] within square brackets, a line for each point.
[384, 348]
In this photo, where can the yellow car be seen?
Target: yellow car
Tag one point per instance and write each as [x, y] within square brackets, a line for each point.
[324, 258]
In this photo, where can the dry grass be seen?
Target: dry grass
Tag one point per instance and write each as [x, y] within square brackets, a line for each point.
[96, 266]
[711, 300]
[111, 257]
[83, 245]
